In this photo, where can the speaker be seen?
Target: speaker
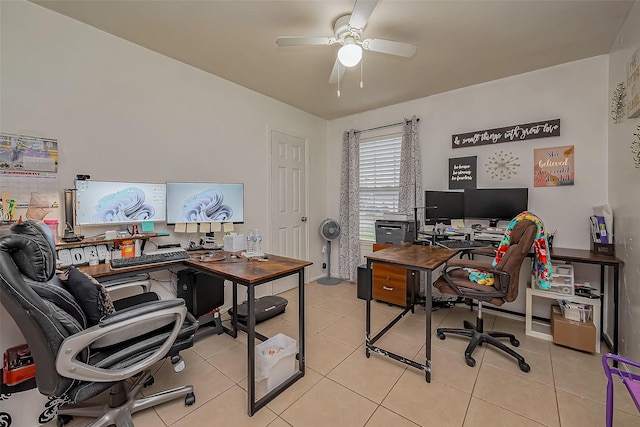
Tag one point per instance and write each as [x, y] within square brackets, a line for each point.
[364, 282]
[201, 292]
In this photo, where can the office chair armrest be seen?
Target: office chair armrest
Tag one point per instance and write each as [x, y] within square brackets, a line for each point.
[139, 309]
[500, 283]
[126, 326]
[469, 263]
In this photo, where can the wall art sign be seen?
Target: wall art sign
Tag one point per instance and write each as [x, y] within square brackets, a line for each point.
[633, 85]
[507, 134]
[553, 166]
[462, 172]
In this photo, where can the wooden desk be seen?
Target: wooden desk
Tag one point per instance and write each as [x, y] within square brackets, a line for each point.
[249, 273]
[412, 257]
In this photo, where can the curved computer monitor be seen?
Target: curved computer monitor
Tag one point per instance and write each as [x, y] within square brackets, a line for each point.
[495, 204]
[443, 206]
[111, 202]
[204, 202]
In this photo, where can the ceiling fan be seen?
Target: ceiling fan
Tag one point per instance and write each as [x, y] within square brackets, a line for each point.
[348, 33]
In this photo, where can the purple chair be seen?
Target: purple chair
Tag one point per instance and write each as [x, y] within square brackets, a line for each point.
[629, 379]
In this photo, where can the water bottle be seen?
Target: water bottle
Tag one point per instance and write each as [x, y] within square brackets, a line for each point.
[250, 242]
[257, 245]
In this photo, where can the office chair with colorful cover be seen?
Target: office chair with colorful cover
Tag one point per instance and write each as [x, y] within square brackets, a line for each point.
[80, 344]
[494, 282]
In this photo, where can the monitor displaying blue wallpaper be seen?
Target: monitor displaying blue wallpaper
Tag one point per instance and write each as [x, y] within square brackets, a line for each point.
[110, 202]
[203, 202]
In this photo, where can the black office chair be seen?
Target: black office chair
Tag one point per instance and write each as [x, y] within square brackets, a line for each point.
[455, 281]
[75, 361]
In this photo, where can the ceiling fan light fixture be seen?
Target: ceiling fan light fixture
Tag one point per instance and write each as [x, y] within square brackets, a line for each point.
[350, 54]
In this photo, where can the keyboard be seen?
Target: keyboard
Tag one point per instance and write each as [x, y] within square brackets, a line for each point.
[150, 259]
[461, 244]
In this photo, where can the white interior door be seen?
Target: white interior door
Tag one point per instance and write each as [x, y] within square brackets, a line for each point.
[288, 201]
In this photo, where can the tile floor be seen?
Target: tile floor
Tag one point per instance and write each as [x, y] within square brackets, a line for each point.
[343, 388]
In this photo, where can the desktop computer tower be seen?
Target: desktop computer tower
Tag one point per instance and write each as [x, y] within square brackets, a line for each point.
[201, 292]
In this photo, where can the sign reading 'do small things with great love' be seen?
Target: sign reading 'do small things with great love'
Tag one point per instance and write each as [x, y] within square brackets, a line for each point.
[507, 134]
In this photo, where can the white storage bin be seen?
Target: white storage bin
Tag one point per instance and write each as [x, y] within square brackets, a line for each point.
[275, 362]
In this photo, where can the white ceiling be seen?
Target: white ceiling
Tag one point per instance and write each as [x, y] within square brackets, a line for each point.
[460, 43]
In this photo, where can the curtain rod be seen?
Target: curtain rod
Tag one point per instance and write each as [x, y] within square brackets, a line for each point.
[388, 126]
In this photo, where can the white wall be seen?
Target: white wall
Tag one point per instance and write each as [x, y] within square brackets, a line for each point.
[623, 179]
[576, 93]
[122, 112]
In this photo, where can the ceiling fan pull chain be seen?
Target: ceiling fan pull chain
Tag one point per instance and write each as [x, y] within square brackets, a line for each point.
[338, 63]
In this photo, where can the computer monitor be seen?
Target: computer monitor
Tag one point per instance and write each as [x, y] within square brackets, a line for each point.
[110, 202]
[495, 204]
[202, 202]
[443, 206]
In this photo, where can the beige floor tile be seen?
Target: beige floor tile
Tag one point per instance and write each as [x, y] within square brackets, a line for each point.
[279, 422]
[582, 379]
[385, 418]
[412, 328]
[482, 414]
[232, 362]
[147, 418]
[227, 409]
[347, 331]
[424, 403]
[400, 344]
[371, 377]
[293, 393]
[329, 404]
[318, 320]
[338, 305]
[213, 344]
[324, 353]
[519, 394]
[207, 382]
[517, 328]
[448, 367]
[577, 411]
[540, 364]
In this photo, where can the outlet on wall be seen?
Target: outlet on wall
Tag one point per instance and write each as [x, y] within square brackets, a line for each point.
[324, 249]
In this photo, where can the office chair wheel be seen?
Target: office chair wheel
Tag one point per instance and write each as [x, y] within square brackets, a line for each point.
[472, 362]
[149, 382]
[63, 420]
[189, 399]
[524, 367]
[514, 342]
[441, 335]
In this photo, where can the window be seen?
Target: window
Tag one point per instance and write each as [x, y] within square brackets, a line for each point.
[379, 181]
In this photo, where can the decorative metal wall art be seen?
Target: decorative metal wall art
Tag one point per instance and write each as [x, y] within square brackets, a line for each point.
[502, 165]
[635, 148]
[618, 103]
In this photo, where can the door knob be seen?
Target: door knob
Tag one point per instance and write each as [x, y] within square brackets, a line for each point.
[303, 219]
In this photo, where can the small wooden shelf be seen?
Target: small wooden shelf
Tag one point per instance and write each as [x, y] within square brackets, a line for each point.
[543, 331]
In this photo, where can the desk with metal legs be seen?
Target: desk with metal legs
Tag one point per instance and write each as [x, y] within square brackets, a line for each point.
[249, 273]
[412, 257]
[252, 273]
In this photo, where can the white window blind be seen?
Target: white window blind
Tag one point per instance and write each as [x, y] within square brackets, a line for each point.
[379, 181]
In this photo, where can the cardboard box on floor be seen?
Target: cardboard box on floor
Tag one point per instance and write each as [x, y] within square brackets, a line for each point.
[570, 333]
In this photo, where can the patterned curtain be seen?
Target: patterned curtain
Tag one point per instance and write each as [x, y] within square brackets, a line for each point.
[349, 207]
[410, 195]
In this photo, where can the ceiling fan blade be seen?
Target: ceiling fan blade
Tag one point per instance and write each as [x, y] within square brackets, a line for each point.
[361, 12]
[305, 41]
[390, 47]
[336, 73]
